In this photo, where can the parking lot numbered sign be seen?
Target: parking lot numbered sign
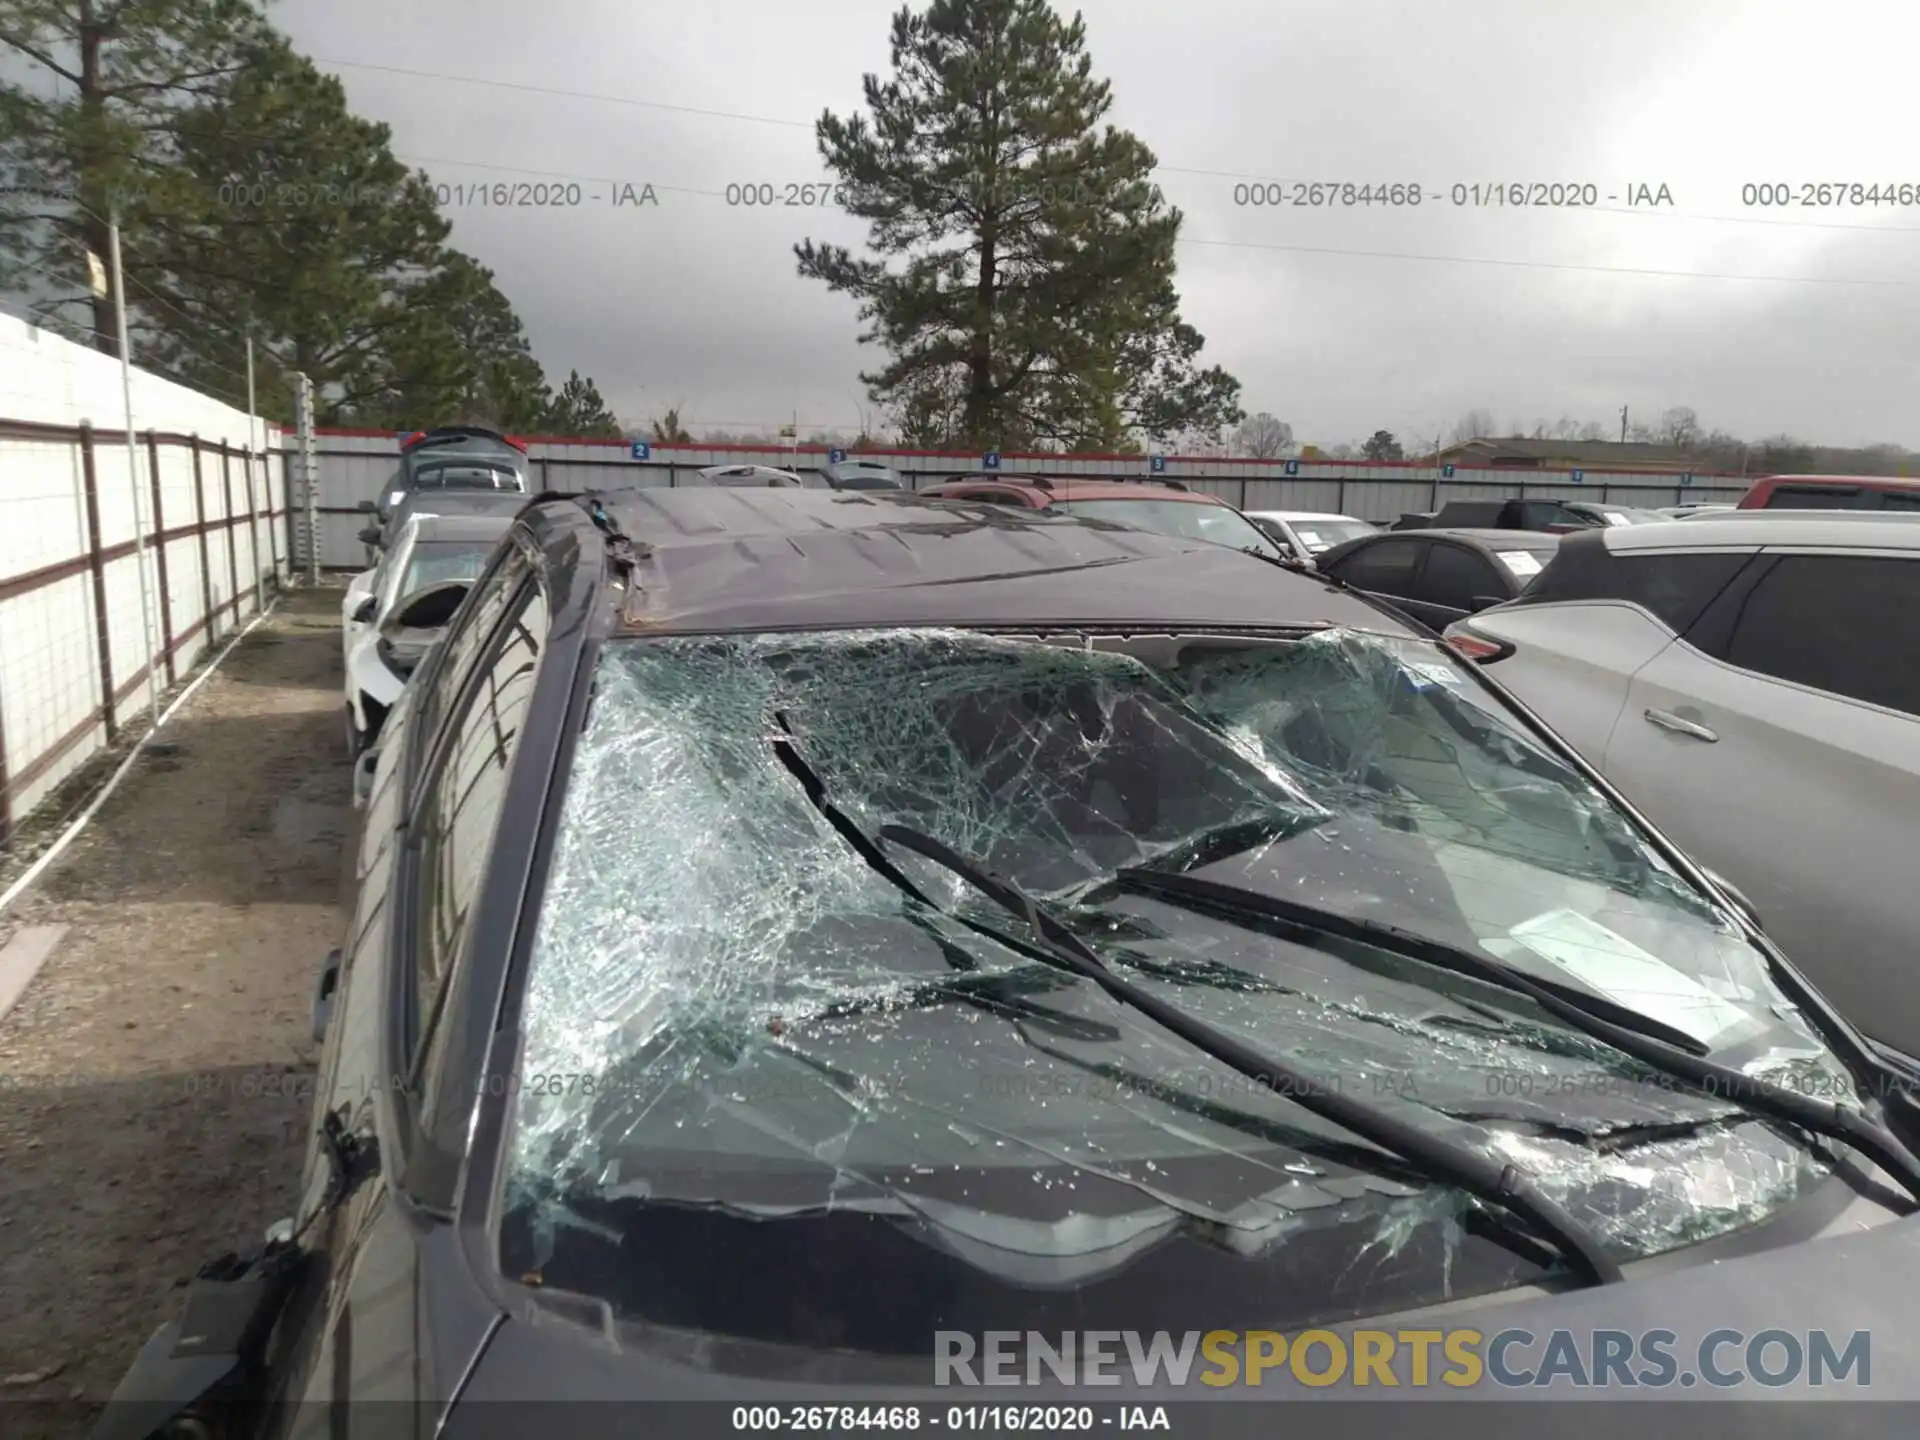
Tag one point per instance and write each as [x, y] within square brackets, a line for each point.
[834, 457]
[1446, 472]
[991, 460]
[1157, 464]
[1293, 467]
[642, 450]
[1578, 475]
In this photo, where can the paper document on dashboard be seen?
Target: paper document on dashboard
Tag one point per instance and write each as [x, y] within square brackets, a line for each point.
[1620, 970]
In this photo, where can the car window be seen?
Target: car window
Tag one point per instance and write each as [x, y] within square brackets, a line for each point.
[1522, 565]
[1900, 499]
[436, 561]
[1387, 566]
[1822, 497]
[1825, 621]
[1677, 587]
[1455, 575]
[1319, 536]
[470, 475]
[468, 633]
[460, 808]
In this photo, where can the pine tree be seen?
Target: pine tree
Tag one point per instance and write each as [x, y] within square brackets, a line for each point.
[1034, 304]
[577, 409]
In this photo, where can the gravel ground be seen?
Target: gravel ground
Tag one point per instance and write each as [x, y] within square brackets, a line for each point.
[153, 1079]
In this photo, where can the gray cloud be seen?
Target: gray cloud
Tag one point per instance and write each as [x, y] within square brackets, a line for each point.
[696, 302]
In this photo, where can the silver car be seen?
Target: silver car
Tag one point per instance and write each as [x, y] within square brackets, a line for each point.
[1753, 686]
[860, 474]
[1304, 534]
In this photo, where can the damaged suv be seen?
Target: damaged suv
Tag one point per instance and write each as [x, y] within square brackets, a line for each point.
[794, 925]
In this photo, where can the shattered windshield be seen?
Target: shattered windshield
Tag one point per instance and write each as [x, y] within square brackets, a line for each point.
[740, 1036]
[1218, 524]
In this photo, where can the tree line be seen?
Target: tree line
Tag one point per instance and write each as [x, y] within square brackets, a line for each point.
[252, 202]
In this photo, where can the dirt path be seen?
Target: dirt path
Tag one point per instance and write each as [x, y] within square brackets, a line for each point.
[153, 1079]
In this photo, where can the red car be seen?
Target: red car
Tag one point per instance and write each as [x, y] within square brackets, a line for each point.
[1164, 506]
[1832, 492]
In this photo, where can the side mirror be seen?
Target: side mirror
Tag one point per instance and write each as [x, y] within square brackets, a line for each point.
[364, 770]
[1736, 896]
[323, 993]
[370, 535]
[367, 507]
[427, 609]
[367, 609]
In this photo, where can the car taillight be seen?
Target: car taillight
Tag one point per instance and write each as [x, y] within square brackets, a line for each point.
[412, 440]
[517, 443]
[1469, 646]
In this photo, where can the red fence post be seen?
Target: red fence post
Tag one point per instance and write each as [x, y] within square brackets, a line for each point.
[233, 539]
[160, 555]
[200, 529]
[253, 536]
[98, 563]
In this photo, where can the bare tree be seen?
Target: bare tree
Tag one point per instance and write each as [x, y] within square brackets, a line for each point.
[1263, 437]
[1474, 425]
[1344, 451]
[1678, 427]
[1566, 428]
[1594, 430]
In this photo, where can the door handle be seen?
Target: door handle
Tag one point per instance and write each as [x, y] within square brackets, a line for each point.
[1666, 720]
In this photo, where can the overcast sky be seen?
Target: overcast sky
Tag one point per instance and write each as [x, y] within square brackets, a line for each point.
[1339, 321]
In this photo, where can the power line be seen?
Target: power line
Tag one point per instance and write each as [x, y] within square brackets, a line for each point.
[1548, 264]
[86, 337]
[781, 122]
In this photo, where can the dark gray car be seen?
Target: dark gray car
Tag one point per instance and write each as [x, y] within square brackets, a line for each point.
[796, 930]
[452, 470]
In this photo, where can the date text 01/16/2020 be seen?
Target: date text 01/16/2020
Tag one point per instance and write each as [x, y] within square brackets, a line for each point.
[493, 195]
[1045, 1419]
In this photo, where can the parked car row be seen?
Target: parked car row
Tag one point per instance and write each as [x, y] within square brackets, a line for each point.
[1751, 680]
[785, 828]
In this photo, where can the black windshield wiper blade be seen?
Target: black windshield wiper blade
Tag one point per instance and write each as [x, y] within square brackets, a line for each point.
[1495, 1181]
[1639, 1038]
[1187, 890]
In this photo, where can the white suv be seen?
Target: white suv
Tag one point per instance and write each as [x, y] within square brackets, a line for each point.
[1753, 687]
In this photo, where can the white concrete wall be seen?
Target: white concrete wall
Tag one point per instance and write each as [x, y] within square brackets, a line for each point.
[218, 557]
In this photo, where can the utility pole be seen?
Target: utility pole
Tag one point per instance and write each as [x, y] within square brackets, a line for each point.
[1623, 424]
[154, 658]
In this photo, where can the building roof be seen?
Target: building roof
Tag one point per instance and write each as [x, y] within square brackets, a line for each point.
[1597, 453]
[717, 560]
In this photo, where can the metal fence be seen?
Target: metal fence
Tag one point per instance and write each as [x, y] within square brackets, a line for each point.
[120, 565]
[353, 465]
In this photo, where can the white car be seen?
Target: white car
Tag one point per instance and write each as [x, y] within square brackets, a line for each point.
[1304, 534]
[429, 552]
[750, 477]
[1753, 687]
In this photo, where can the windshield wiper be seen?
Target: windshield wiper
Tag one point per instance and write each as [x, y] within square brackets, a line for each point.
[1640, 1037]
[1497, 1182]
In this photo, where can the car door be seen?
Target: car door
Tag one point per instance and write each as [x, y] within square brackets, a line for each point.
[1454, 582]
[1593, 619]
[1780, 743]
[350, 1331]
[1387, 568]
